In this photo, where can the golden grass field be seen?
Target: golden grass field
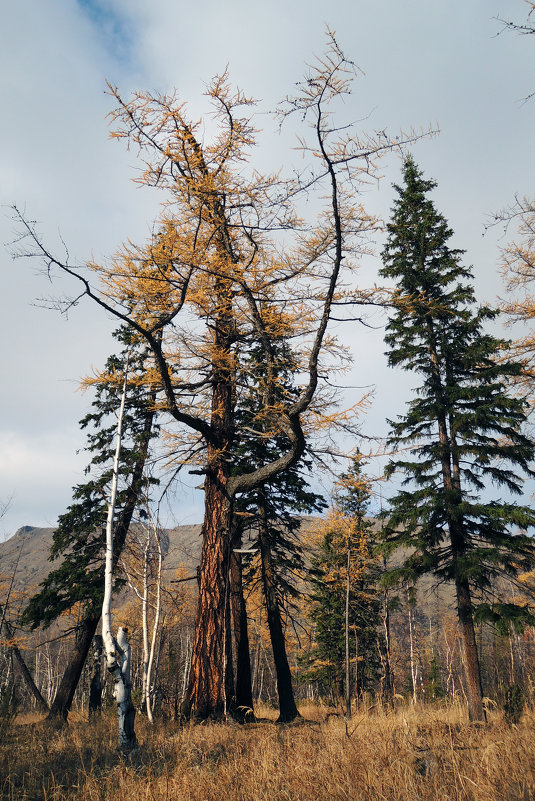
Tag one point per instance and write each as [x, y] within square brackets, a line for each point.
[415, 753]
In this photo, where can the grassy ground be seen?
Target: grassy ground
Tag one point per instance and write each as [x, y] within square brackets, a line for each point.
[414, 753]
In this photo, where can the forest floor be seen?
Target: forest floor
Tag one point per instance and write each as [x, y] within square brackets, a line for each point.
[415, 753]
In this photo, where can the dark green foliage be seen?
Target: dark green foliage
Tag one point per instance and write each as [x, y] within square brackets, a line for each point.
[288, 494]
[79, 537]
[463, 426]
[269, 512]
[505, 616]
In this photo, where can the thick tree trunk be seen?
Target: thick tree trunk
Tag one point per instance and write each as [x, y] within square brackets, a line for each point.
[206, 695]
[287, 706]
[476, 711]
[62, 702]
[119, 661]
[244, 691]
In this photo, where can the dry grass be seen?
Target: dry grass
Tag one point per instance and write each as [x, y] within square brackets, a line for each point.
[404, 756]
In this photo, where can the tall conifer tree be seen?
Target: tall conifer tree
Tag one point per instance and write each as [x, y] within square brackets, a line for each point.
[463, 427]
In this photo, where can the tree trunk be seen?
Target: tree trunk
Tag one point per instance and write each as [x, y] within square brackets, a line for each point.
[118, 654]
[244, 690]
[26, 675]
[411, 651]
[62, 702]
[230, 686]
[387, 682]
[120, 670]
[95, 689]
[150, 679]
[476, 711]
[287, 707]
[145, 703]
[206, 695]
[346, 621]
[207, 691]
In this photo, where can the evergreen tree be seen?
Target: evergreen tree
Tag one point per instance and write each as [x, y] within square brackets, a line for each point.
[79, 537]
[345, 561]
[463, 427]
[270, 513]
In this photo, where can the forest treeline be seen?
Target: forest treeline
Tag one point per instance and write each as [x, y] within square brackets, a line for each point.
[226, 368]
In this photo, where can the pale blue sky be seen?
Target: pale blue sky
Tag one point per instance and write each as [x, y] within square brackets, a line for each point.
[425, 62]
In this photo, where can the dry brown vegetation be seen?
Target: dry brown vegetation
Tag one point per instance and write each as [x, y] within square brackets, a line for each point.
[415, 753]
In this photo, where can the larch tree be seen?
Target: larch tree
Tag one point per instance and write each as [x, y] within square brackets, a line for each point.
[526, 28]
[518, 261]
[233, 262]
[462, 430]
[345, 595]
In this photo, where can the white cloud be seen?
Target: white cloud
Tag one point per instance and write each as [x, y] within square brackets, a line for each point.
[36, 475]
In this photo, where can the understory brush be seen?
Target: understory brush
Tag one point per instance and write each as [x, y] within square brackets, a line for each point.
[413, 753]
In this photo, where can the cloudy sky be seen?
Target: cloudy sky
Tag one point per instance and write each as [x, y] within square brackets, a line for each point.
[424, 62]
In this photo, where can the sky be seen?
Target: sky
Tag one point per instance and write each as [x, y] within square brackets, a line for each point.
[447, 65]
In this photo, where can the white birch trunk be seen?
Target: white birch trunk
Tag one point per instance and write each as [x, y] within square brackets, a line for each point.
[155, 626]
[117, 651]
[348, 663]
[412, 660]
[145, 704]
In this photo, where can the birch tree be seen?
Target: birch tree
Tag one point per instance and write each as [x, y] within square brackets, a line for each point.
[143, 568]
[117, 650]
[78, 540]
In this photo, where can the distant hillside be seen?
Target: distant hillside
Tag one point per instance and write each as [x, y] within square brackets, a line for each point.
[28, 549]
[31, 547]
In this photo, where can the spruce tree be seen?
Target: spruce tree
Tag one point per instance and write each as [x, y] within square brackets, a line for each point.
[270, 513]
[462, 429]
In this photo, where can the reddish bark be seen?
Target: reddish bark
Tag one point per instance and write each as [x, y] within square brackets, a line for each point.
[476, 711]
[206, 696]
